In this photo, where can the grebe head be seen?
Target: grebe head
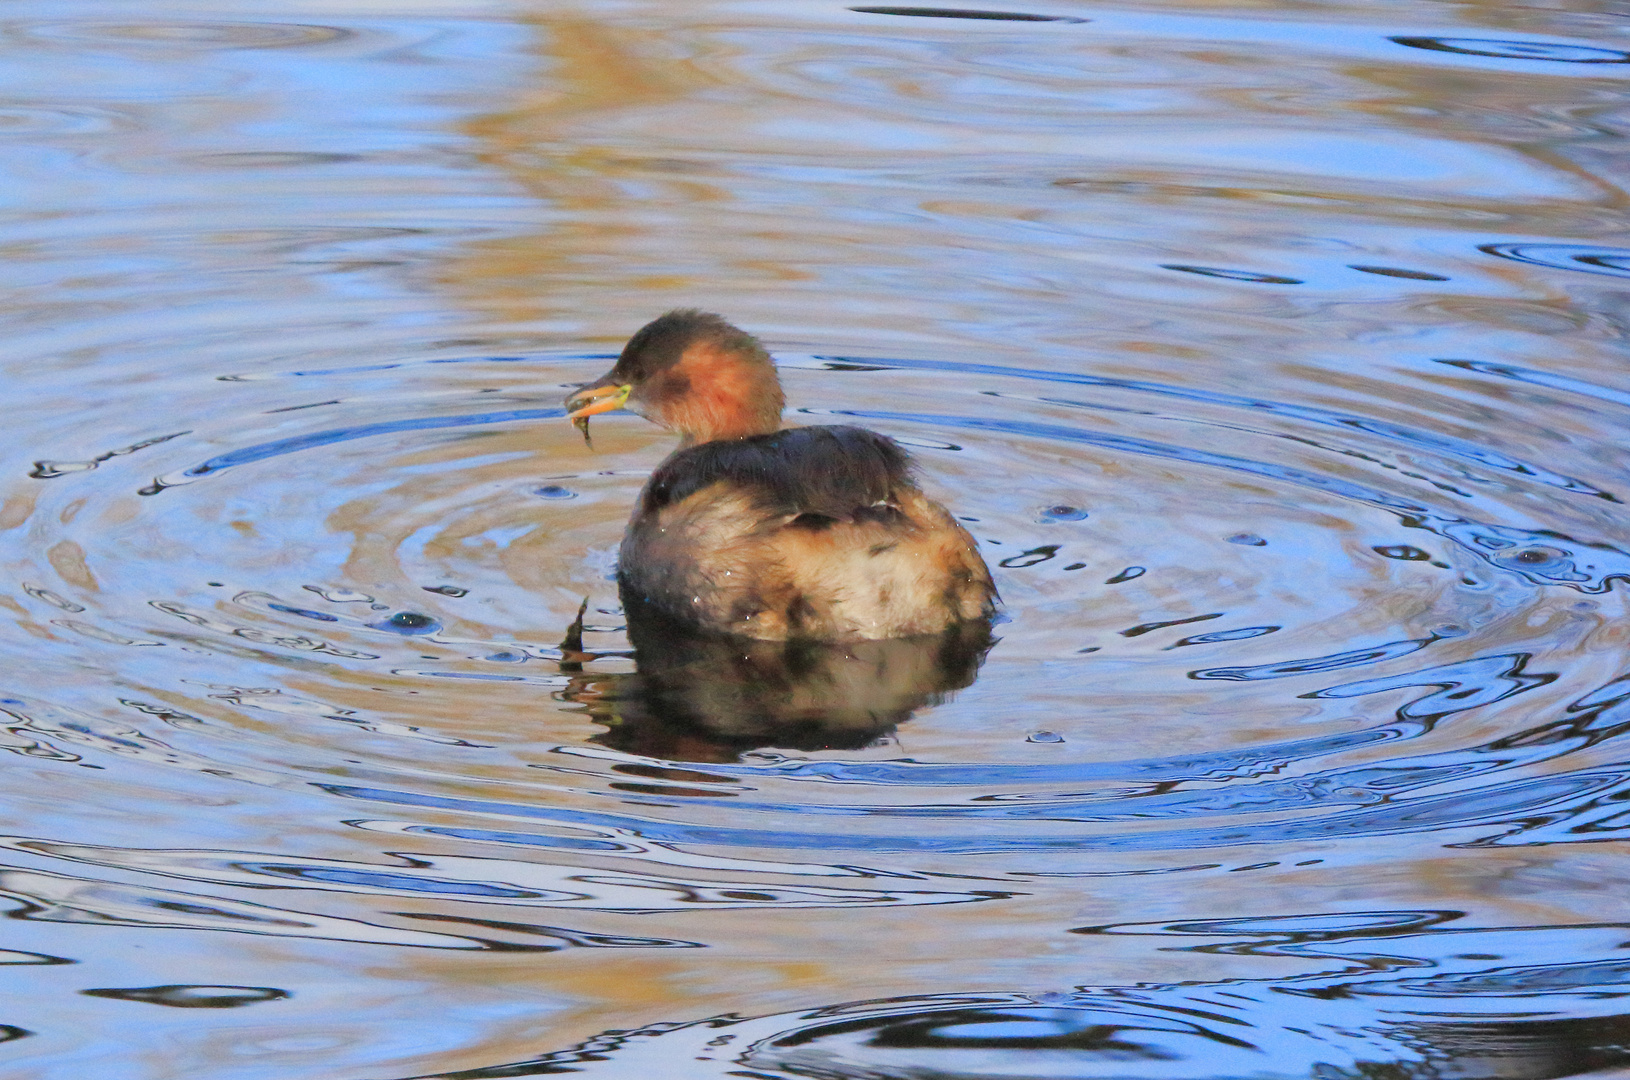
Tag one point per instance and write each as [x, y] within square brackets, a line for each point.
[691, 372]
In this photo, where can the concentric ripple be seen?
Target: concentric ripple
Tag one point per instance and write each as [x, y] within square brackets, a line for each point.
[442, 666]
[1322, 1024]
[1585, 257]
[1235, 338]
[1519, 50]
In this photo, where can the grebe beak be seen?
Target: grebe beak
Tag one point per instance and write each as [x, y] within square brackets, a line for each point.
[596, 399]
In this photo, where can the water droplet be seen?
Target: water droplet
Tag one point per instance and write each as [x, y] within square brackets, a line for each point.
[1401, 551]
[1126, 575]
[1045, 737]
[554, 491]
[1248, 540]
[447, 590]
[1061, 512]
[408, 624]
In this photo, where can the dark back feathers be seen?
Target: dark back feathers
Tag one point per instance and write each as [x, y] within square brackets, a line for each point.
[833, 472]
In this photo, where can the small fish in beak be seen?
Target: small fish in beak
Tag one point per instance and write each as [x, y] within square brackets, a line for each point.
[595, 399]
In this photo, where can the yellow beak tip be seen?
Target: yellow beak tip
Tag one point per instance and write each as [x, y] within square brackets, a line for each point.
[599, 400]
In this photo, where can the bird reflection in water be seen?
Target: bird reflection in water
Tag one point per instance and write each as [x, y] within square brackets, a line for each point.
[710, 698]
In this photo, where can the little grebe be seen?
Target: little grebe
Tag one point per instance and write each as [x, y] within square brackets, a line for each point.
[814, 533]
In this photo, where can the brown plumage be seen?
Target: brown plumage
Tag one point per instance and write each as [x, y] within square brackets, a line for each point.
[815, 533]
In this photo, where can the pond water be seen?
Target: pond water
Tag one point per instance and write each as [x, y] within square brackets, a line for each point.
[1273, 350]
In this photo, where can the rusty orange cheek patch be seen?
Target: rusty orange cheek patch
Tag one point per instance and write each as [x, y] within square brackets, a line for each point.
[719, 401]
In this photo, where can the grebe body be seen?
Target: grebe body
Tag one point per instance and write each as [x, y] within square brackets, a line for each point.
[816, 533]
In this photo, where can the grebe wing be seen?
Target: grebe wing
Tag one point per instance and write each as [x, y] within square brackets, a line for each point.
[814, 533]
[835, 472]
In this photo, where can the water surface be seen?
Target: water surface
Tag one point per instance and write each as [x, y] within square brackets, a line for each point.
[1274, 352]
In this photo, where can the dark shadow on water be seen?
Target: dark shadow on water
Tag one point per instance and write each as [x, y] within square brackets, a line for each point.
[967, 13]
[1518, 50]
[709, 698]
[183, 996]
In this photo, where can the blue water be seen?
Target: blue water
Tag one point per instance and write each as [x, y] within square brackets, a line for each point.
[1274, 354]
